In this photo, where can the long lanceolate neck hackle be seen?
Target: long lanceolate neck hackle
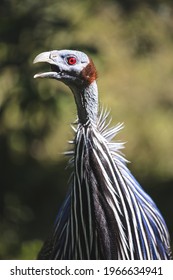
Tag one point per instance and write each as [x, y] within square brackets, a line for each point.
[114, 217]
[111, 217]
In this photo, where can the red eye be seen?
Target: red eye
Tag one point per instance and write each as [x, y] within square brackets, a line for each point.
[71, 60]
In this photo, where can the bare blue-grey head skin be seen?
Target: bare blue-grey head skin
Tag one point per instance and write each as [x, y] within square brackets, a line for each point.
[106, 213]
[80, 77]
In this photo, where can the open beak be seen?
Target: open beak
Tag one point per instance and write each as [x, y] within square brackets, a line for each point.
[48, 57]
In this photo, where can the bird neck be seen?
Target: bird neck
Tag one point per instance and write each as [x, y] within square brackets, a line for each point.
[86, 99]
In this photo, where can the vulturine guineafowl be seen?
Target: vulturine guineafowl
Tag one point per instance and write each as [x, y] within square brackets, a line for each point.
[106, 213]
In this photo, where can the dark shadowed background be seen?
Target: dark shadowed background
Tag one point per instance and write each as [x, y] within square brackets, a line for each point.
[131, 43]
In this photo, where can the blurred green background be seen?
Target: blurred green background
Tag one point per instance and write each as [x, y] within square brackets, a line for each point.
[131, 43]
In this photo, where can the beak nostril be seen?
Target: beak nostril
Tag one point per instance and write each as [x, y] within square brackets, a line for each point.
[53, 54]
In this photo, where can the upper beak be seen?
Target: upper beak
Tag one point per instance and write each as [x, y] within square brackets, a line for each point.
[47, 57]
[43, 57]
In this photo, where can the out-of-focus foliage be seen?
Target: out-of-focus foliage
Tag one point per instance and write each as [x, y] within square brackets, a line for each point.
[131, 43]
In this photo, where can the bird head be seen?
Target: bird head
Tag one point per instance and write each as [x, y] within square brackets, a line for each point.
[73, 68]
[77, 71]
